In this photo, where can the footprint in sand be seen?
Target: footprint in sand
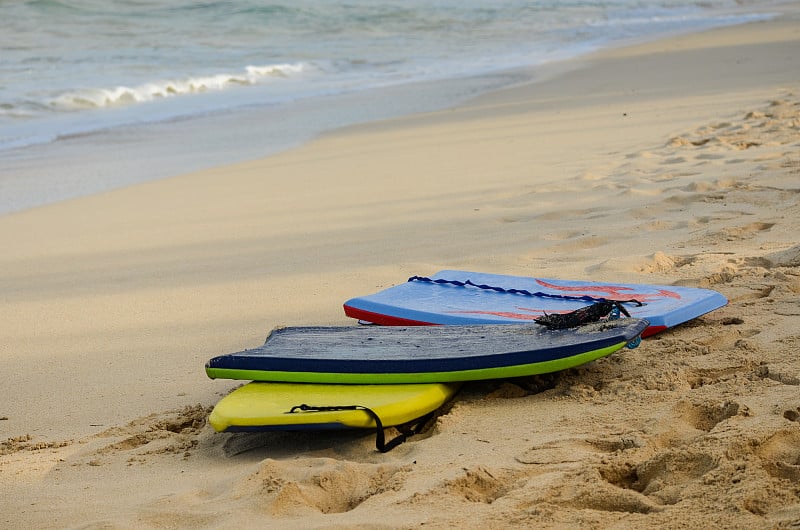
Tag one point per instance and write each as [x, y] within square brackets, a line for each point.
[780, 455]
[605, 489]
[687, 421]
[760, 135]
[480, 484]
[663, 477]
[317, 485]
[704, 415]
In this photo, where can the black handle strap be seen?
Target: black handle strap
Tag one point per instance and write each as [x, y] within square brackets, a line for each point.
[406, 430]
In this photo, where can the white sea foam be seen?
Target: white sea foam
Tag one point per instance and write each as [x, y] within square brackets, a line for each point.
[123, 95]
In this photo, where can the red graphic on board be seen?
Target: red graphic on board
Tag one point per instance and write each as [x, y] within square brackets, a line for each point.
[535, 313]
[609, 292]
[612, 292]
[532, 314]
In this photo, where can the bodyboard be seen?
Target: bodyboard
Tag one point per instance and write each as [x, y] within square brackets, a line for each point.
[260, 406]
[421, 354]
[452, 297]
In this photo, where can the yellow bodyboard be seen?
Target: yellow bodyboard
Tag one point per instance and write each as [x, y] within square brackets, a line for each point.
[268, 406]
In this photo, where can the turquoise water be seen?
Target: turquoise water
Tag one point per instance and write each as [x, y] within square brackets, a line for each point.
[98, 94]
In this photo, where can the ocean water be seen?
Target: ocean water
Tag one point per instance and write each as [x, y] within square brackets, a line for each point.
[100, 94]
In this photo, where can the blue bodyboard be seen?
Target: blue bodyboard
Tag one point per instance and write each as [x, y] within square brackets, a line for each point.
[452, 297]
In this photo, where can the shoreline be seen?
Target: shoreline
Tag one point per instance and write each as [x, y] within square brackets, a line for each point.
[82, 164]
[666, 162]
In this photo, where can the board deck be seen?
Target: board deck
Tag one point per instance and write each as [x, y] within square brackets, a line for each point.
[421, 354]
[260, 406]
[501, 299]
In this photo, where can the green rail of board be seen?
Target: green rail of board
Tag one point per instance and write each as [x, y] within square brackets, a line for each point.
[424, 377]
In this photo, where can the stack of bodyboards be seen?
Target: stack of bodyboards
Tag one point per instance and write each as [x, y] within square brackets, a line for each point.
[436, 333]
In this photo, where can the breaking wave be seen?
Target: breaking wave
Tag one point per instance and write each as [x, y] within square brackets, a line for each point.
[123, 95]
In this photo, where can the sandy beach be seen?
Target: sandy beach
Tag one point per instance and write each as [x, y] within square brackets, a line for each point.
[674, 162]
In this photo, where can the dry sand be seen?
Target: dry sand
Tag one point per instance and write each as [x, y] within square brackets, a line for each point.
[671, 162]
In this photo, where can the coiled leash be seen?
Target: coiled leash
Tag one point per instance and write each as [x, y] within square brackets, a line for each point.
[607, 309]
[523, 292]
[406, 430]
[600, 308]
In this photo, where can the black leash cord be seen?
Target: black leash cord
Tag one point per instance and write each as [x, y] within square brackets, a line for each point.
[407, 430]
